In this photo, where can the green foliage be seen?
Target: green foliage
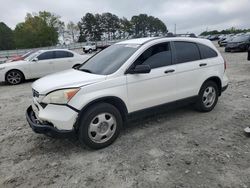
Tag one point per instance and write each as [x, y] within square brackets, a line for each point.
[6, 37]
[37, 30]
[144, 25]
[95, 26]
[231, 30]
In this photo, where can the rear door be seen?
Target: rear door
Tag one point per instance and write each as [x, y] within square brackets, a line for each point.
[63, 60]
[43, 66]
[191, 68]
[156, 87]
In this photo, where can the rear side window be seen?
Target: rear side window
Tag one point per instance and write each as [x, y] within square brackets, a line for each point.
[46, 55]
[156, 56]
[207, 52]
[186, 52]
[63, 54]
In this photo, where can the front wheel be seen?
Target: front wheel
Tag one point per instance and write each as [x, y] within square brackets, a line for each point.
[208, 97]
[100, 126]
[14, 77]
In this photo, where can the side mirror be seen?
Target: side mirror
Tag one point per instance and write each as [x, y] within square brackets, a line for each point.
[140, 69]
[35, 59]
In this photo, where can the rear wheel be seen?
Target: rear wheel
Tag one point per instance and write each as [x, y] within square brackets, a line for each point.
[208, 97]
[100, 126]
[14, 77]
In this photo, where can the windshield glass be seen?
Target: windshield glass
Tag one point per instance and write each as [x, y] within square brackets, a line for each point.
[28, 54]
[31, 56]
[110, 59]
[240, 39]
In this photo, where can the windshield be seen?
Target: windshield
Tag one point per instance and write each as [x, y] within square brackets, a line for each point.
[240, 39]
[32, 56]
[27, 54]
[110, 59]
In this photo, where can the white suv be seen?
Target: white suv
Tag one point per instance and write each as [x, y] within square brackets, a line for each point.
[95, 99]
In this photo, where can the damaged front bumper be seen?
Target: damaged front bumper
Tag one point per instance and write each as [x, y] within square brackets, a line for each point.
[44, 128]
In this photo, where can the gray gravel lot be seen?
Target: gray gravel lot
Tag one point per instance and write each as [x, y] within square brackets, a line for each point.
[178, 148]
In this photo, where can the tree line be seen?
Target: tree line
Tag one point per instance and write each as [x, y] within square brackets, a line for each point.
[43, 29]
[109, 26]
[231, 30]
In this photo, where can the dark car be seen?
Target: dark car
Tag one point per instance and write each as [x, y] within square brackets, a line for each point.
[224, 42]
[239, 44]
[214, 37]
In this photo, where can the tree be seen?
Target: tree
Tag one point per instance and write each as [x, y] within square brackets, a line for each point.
[145, 25]
[73, 30]
[6, 37]
[90, 27]
[37, 30]
[125, 27]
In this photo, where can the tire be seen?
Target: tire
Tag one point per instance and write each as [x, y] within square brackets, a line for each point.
[14, 77]
[208, 97]
[100, 125]
[90, 51]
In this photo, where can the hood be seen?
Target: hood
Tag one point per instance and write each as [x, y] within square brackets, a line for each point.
[9, 64]
[65, 79]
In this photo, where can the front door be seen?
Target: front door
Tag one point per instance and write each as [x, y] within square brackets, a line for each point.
[43, 66]
[158, 86]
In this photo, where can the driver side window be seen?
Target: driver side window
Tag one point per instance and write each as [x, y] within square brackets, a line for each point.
[46, 55]
[156, 56]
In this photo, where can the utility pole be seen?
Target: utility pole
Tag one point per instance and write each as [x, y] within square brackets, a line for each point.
[175, 29]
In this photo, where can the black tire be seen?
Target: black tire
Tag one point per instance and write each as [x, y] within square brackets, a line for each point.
[201, 104]
[90, 116]
[90, 51]
[14, 77]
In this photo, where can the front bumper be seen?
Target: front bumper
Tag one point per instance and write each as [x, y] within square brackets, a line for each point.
[234, 49]
[44, 128]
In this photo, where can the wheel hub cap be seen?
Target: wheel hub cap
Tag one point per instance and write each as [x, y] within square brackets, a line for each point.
[209, 97]
[102, 127]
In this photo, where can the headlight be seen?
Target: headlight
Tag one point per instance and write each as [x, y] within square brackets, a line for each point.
[60, 96]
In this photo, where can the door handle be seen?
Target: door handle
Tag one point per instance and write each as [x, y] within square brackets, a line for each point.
[169, 71]
[203, 64]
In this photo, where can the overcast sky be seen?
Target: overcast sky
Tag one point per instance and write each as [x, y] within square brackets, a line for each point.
[189, 15]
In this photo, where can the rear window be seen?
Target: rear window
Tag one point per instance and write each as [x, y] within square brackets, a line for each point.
[186, 52]
[207, 52]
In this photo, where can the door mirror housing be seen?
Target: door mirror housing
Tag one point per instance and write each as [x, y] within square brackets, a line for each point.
[35, 59]
[140, 69]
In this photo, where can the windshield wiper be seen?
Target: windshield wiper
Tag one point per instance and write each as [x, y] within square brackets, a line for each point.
[85, 70]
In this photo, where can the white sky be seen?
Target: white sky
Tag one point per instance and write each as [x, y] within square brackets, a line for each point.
[189, 15]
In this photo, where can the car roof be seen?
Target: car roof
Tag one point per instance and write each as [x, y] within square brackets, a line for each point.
[141, 41]
[138, 40]
[56, 49]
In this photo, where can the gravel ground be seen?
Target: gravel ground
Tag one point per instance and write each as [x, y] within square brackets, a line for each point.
[178, 148]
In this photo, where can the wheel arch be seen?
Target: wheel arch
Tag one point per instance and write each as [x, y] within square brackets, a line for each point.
[115, 101]
[14, 70]
[217, 80]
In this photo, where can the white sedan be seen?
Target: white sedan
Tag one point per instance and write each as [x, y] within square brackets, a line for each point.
[39, 64]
